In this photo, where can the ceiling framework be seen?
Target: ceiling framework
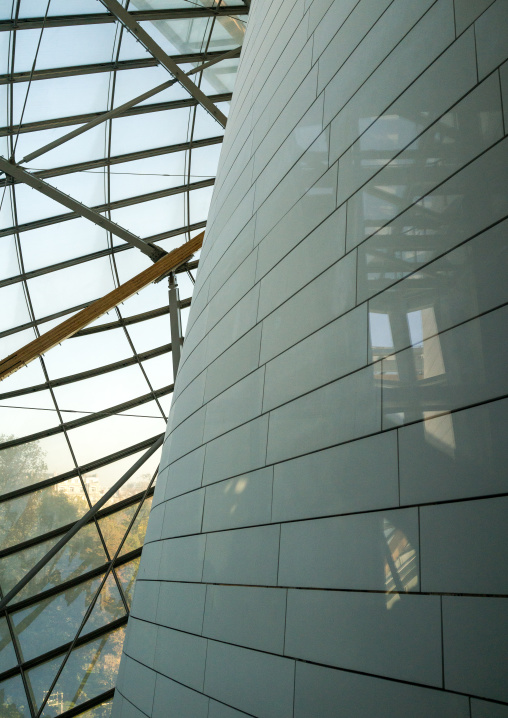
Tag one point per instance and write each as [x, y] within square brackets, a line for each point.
[109, 148]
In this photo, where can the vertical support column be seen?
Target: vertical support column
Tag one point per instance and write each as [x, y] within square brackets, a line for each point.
[175, 321]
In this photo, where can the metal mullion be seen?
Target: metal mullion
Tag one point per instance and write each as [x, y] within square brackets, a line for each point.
[95, 68]
[86, 518]
[92, 603]
[78, 580]
[105, 369]
[118, 159]
[85, 468]
[87, 705]
[140, 15]
[156, 51]
[80, 119]
[112, 259]
[10, 111]
[99, 209]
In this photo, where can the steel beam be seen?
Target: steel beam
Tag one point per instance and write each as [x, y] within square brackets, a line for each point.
[101, 306]
[175, 322]
[139, 15]
[94, 68]
[81, 210]
[118, 159]
[117, 111]
[129, 22]
[117, 204]
[79, 119]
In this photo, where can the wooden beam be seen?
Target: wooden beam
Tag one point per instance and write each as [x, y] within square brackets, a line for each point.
[66, 329]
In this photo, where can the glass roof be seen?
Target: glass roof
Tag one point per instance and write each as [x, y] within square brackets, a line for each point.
[77, 419]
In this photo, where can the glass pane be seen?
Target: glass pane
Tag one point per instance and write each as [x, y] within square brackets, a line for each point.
[35, 625]
[30, 516]
[90, 670]
[113, 527]
[13, 701]
[102, 711]
[127, 576]
[32, 462]
[7, 652]
[88, 352]
[25, 415]
[82, 553]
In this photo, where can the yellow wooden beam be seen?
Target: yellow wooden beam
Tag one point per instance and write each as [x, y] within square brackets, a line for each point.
[96, 309]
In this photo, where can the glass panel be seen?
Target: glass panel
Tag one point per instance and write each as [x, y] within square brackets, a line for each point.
[113, 527]
[13, 701]
[32, 8]
[25, 415]
[149, 218]
[90, 670]
[46, 246]
[147, 175]
[35, 461]
[88, 146]
[7, 652]
[131, 83]
[101, 392]
[159, 129]
[33, 515]
[9, 266]
[73, 285]
[127, 576]
[35, 625]
[159, 370]
[151, 333]
[179, 36]
[13, 297]
[82, 553]
[88, 352]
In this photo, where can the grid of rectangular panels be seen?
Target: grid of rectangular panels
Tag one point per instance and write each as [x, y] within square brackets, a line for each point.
[74, 421]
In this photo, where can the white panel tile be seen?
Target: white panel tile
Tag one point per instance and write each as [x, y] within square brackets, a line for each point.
[345, 410]
[219, 710]
[455, 456]
[474, 627]
[182, 558]
[237, 405]
[331, 17]
[460, 135]
[187, 436]
[140, 640]
[322, 248]
[459, 367]
[238, 250]
[359, 37]
[144, 602]
[474, 284]
[491, 30]
[375, 551]
[251, 617]
[463, 206]
[185, 474]
[467, 11]
[138, 684]
[302, 97]
[232, 290]
[245, 500]
[462, 545]
[244, 556]
[361, 632]
[150, 559]
[487, 709]
[301, 219]
[181, 606]
[234, 675]
[181, 656]
[237, 452]
[172, 700]
[237, 322]
[321, 301]
[236, 362]
[154, 528]
[311, 166]
[329, 693]
[331, 352]
[358, 476]
[183, 514]
[412, 56]
[188, 401]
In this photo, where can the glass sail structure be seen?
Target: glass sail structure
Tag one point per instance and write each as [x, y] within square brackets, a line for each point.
[75, 420]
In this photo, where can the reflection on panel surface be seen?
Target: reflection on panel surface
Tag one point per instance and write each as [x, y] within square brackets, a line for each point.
[74, 422]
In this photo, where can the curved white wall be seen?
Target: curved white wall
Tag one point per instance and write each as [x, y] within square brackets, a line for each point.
[328, 535]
